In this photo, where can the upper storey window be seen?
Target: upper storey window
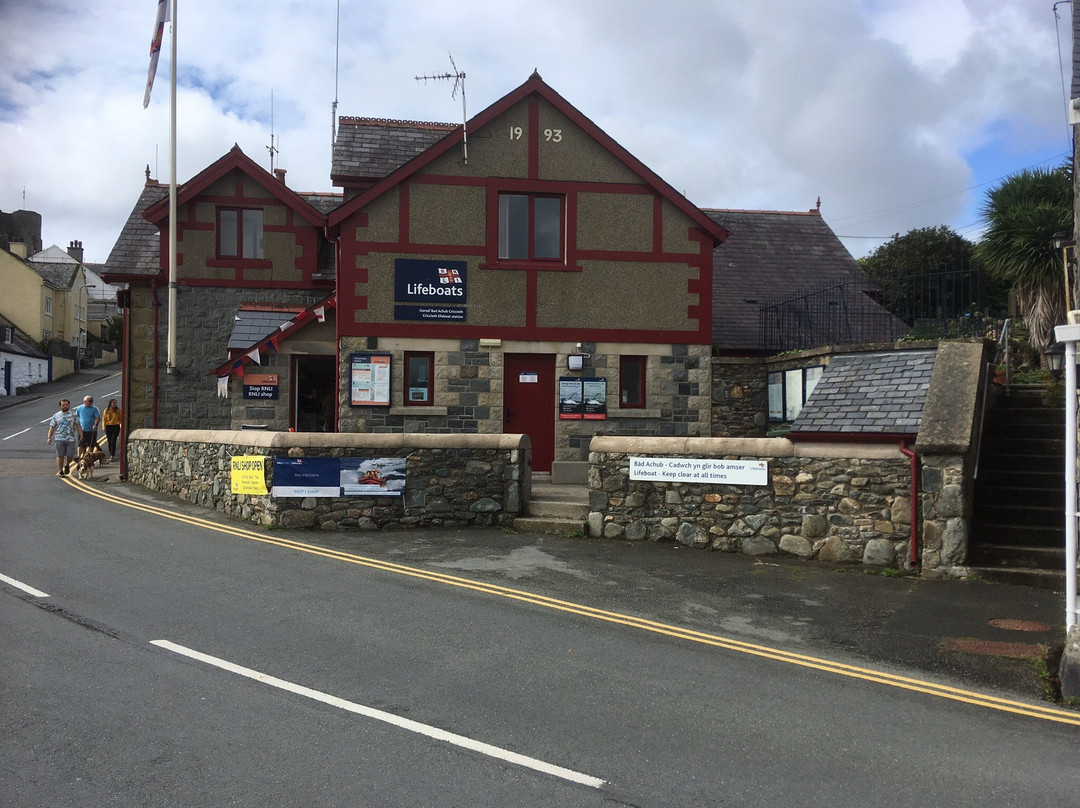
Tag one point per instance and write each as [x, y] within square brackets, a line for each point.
[240, 233]
[531, 227]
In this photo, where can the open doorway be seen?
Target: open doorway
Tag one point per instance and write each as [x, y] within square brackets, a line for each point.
[314, 404]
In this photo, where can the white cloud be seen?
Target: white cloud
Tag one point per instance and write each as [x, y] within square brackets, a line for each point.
[887, 109]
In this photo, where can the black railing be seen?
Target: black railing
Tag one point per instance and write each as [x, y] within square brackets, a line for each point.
[932, 305]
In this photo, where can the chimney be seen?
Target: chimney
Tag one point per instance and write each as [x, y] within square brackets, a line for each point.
[75, 251]
[280, 174]
[18, 248]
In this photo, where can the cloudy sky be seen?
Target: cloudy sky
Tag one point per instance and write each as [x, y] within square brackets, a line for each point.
[897, 113]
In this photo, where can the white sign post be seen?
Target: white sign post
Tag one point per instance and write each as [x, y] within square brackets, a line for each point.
[699, 470]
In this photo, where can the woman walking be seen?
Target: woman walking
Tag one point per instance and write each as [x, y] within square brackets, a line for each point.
[112, 420]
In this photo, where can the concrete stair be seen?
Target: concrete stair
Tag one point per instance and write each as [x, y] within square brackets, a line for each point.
[561, 510]
[1018, 529]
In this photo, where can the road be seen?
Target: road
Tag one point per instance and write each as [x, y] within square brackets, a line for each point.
[154, 654]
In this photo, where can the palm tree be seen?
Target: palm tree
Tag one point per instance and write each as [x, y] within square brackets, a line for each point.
[1022, 215]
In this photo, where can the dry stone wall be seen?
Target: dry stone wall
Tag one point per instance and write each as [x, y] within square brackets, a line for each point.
[451, 480]
[835, 509]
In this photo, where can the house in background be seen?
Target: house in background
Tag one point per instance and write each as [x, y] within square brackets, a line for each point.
[21, 364]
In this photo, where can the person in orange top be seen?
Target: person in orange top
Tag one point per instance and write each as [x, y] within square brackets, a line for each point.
[112, 420]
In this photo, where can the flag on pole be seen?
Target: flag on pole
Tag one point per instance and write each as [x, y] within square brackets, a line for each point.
[155, 47]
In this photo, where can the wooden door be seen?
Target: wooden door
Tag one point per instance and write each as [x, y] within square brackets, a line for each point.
[529, 403]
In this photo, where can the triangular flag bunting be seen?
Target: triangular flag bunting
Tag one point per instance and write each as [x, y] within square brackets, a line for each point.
[253, 355]
[223, 386]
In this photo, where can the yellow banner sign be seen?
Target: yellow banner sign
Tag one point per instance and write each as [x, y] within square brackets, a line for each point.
[248, 474]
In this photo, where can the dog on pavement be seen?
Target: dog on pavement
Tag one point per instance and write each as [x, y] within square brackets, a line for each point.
[88, 461]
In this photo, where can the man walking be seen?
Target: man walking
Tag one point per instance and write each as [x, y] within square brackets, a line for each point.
[64, 426]
[89, 418]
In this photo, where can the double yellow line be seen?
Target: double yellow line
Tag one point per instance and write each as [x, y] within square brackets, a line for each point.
[1047, 713]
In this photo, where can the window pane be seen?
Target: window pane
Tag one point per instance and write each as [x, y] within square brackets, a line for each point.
[253, 234]
[227, 231]
[776, 396]
[418, 369]
[793, 394]
[548, 221]
[630, 373]
[513, 226]
[812, 376]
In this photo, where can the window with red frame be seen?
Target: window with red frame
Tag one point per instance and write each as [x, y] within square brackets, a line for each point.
[632, 382]
[419, 373]
[240, 233]
[530, 227]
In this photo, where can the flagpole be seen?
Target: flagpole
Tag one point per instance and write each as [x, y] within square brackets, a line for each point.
[170, 361]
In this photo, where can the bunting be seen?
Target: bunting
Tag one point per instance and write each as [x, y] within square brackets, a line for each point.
[223, 386]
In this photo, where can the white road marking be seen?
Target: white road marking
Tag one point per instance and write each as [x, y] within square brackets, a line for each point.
[389, 718]
[9, 437]
[37, 593]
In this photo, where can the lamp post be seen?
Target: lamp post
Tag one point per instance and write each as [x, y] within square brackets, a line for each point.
[1069, 335]
[1061, 241]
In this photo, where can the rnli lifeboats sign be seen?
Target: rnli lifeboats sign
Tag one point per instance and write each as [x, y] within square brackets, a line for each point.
[435, 291]
[700, 470]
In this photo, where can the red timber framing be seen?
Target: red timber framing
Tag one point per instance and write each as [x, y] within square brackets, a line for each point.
[353, 274]
[302, 221]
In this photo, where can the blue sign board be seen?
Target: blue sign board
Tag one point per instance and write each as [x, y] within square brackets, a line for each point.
[439, 287]
[307, 477]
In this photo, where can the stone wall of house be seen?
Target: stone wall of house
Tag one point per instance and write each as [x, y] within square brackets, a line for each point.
[187, 397]
[25, 371]
[451, 480]
[838, 504]
[740, 398]
[468, 390]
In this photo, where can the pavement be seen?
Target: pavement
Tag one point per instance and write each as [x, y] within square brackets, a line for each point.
[61, 387]
[974, 634]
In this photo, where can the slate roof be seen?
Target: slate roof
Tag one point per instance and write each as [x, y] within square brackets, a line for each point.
[252, 325]
[322, 202]
[868, 394]
[55, 274]
[16, 344]
[368, 149]
[137, 250]
[774, 254]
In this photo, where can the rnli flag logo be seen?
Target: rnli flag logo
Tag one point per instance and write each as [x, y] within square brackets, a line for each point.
[448, 275]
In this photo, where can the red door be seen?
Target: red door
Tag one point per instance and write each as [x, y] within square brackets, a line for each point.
[529, 403]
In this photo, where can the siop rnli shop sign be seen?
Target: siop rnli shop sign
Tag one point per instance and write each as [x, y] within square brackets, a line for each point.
[700, 470]
[435, 291]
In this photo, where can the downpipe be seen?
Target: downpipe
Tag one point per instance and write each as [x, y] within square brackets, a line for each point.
[913, 542]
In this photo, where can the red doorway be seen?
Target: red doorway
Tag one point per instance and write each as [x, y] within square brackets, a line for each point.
[529, 403]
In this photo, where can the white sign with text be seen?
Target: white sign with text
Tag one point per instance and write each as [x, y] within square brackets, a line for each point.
[700, 470]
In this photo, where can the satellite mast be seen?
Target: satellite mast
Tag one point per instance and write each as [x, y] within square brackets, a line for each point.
[459, 81]
[271, 148]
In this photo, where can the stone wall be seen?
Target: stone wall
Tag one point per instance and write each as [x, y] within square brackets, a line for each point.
[839, 504]
[451, 480]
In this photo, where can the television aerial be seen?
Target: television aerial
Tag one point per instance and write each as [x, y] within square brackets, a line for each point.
[458, 77]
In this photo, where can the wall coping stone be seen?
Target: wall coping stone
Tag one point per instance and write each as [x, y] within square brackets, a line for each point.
[265, 439]
[745, 447]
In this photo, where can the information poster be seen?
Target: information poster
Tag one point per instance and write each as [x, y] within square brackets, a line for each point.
[570, 397]
[700, 470]
[307, 477]
[595, 399]
[582, 398]
[380, 477]
[247, 475]
[369, 380]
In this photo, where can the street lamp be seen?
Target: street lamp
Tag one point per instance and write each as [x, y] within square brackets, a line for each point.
[1061, 242]
[1055, 359]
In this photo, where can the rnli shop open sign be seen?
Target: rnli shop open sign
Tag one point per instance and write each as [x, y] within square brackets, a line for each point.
[431, 291]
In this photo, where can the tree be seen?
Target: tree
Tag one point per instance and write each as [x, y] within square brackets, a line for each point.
[1022, 214]
[931, 273]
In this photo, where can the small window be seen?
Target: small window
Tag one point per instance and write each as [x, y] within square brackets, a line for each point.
[530, 227]
[46, 335]
[789, 390]
[419, 372]
[240, 233]
[632, 382]
[48, 307]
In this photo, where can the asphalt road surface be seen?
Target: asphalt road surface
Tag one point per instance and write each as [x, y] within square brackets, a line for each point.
[153, 654]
